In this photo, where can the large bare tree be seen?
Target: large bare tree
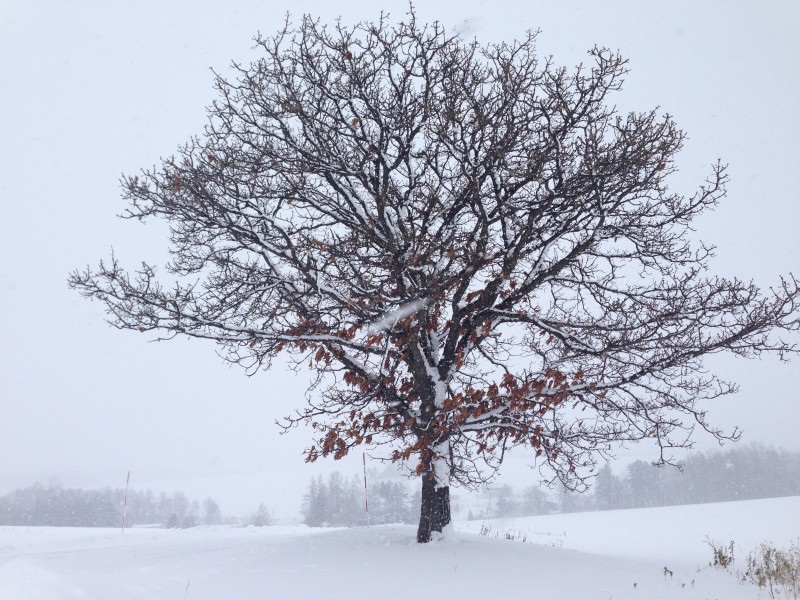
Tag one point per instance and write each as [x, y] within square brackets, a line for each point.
[469, 247]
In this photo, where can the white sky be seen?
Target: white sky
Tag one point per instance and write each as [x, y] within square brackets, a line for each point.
[92, 89]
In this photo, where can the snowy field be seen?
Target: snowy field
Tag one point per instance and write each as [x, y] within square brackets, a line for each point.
[583, 556]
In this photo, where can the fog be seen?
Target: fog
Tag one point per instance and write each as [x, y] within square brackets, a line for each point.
[94, 89]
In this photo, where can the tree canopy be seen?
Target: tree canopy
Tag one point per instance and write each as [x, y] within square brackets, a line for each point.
[469, 246]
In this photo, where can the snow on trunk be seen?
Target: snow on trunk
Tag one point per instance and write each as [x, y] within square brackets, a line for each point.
[435, 505]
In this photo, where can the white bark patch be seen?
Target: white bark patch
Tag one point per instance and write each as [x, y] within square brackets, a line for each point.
[441, 467]
[390, 319]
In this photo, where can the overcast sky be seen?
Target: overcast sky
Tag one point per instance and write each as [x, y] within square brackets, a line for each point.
[93, 89]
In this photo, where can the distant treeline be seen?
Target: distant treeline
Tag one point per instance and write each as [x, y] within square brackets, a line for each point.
[340, 502]
[54, 505]
[495, 502]
[742, 473]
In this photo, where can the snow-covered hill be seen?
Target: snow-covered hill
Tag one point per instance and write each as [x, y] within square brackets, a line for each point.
[584, 556]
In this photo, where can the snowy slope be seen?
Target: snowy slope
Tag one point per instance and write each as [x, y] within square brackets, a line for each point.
[668, 533]
[597, 556]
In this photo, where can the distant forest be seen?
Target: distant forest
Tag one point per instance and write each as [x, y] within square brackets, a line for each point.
[340, 502]
[742, 473]
[54, 505]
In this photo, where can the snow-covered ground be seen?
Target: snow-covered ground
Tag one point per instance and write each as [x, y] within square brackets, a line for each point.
[583, 556]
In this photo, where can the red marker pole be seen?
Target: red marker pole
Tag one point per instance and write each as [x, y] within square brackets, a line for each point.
[366, 493]
[125, 501]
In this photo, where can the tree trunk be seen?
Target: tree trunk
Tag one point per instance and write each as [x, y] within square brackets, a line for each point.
[435, 508]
